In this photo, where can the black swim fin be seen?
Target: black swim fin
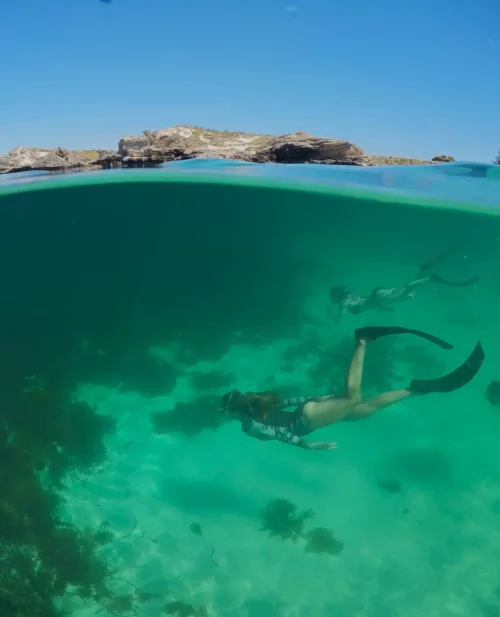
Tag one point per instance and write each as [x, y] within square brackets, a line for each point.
[374, 332]
[454, 380]
[430, 264]
[440, 279]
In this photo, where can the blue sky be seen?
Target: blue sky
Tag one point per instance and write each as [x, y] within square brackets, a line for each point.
[397, 78]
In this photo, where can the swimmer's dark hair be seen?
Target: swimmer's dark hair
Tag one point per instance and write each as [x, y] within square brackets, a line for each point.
[231, 402]
[492, 394]
[337, 292]
[257, 405]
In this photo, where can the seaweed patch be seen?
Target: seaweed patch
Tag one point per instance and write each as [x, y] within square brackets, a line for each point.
[280, 518]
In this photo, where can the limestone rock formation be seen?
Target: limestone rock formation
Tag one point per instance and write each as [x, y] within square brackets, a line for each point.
[30, 159]
[188, 142]
[109, 158]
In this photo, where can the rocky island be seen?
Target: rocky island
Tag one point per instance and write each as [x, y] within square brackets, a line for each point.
[189, 142]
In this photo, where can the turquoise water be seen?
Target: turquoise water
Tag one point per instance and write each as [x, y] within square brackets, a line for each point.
[133, 300]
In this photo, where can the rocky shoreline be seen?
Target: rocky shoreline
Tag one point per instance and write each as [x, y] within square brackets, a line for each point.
[188, 142]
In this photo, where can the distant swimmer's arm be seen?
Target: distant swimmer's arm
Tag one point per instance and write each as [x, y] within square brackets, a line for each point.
[264, 432]
[342, 310]
[331, 313]
[343, 304]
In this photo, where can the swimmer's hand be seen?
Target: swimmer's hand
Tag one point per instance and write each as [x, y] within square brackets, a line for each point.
[322, 445]
[334, 317]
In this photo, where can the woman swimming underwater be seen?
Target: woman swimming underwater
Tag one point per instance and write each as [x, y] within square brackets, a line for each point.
[262, 414]
[383, 299]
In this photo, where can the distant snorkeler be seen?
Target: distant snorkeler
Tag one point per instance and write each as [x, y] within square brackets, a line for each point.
[381, 298]
[262, 414]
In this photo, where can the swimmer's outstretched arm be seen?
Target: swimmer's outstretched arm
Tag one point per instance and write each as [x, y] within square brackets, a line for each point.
[264, 432]
[342, 310]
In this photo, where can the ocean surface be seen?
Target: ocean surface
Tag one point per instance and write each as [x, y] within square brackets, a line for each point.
[132, 300]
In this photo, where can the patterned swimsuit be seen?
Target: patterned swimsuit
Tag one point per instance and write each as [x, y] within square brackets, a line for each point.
[287, 427]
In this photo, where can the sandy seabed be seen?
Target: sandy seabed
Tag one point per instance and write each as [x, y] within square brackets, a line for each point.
[431, 549]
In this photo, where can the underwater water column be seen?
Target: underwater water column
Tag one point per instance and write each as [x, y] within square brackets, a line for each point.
[134, 300]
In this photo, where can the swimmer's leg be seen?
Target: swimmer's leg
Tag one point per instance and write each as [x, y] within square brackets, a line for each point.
[417, 283]
[382, 296]
[455, 380]
[439, 279]
[467, 283]
[355, 371]
[368, 408]
[326, 410]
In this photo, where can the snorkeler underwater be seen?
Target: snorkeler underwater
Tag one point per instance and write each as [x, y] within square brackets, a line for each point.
[262, 414]
[382, 298]
[250, 309]
[159, 362]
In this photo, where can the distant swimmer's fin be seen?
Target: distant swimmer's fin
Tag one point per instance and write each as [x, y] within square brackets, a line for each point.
[466, 283]
[374, 332]
[430, 264]
[454, 380]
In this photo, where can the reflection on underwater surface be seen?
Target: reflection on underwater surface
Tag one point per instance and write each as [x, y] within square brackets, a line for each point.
[131, 305]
